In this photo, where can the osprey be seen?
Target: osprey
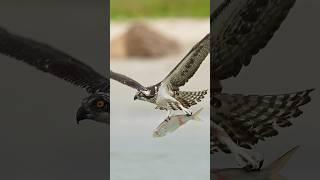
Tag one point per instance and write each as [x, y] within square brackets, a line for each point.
[239, 29]
[166, 94]
[63, 66]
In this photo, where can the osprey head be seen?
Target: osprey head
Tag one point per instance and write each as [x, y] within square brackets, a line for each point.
[143, 95]
[95, 107]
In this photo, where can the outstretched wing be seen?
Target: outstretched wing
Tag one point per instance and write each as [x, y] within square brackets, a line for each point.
[126, 81]
[189, 64]
[50, 60]
[249, 119]
[239, 29]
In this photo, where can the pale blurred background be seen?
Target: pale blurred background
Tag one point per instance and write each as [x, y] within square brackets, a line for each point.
[140, 50]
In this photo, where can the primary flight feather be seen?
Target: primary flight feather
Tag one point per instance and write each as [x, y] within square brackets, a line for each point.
[63, 66]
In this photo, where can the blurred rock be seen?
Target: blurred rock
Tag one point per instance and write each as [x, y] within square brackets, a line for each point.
[142, 41]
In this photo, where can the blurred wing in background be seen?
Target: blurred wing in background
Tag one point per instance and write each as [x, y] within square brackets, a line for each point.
[239, 29]
[50, 60]
[249, 119]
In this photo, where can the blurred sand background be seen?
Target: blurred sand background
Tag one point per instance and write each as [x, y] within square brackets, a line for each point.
[181, 155]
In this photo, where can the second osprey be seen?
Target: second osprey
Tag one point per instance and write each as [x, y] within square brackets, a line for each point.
[166, 94]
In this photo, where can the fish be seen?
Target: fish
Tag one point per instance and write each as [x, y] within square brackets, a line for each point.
[172, 123]
[270, 172]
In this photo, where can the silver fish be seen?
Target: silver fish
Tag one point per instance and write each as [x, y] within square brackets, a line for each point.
[271, 172]
[172, 123]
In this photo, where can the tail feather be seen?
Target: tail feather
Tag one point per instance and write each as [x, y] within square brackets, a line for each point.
[254, 117]
[190, 98]
[277, 107]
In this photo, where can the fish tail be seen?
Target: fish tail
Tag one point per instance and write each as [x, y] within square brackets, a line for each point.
[195, 116]
[280, 163]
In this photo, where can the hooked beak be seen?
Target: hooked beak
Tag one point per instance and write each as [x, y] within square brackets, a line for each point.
[81, 114]
[135, 97]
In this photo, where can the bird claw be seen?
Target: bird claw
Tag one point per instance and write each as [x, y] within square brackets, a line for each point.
[249, 160]
[249, 167]
[169, 114]
[187, 112]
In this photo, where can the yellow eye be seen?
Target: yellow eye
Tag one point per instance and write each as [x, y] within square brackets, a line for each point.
[100, 104]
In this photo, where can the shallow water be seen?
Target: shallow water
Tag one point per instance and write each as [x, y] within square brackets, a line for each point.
[135, 154]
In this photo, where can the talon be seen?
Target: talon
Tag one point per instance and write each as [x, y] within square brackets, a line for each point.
[188, 113]
[261, 164]
[250, 168]
[250, 161]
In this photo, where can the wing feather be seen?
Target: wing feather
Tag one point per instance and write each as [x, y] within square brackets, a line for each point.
[189, 64]
[126, 81]
[248, 119]
[239, 29]
[50, 60]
